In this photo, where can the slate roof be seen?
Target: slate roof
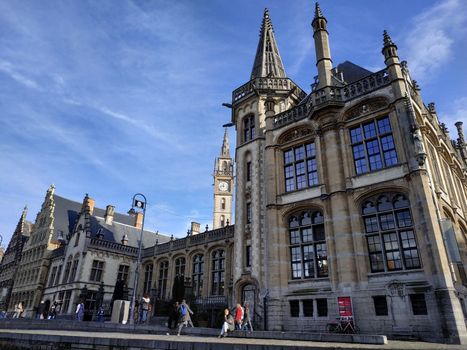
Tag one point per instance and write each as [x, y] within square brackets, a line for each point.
[67, 212]
[352, 72]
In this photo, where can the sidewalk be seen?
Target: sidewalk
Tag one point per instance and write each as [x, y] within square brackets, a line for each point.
[56, 339]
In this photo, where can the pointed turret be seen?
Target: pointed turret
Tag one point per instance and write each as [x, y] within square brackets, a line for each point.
[268, 62]
[393, 64]
[323, 52]
[225, 150]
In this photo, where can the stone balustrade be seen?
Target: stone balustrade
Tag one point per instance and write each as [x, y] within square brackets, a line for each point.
[190, 241]
[266, 83]
[332, 95]
[105, 245]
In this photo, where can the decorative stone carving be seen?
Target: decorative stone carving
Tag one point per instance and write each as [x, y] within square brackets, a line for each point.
[294, 135]
[396, 289]
[366, 107]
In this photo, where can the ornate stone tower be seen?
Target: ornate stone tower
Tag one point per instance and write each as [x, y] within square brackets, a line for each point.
[254, 104]
[223, 186]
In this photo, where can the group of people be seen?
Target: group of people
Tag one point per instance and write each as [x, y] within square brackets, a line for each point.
[240, 320]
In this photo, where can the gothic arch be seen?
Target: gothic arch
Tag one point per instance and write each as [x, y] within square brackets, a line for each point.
[361, 198]
[295, 134]
[365, 107]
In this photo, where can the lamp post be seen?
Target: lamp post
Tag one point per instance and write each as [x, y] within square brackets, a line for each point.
[139, 204]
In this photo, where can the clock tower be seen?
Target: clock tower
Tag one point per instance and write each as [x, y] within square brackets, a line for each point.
[223, 186]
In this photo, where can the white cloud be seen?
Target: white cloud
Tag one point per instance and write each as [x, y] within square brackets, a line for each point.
[431, 41]
[11, 71]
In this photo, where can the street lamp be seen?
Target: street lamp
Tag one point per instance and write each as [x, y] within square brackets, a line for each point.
[139, 203]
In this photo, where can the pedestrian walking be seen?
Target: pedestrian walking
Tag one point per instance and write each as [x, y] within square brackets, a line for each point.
[239, 313]
[18, 310]
[100, 314]
[145, 305]
[228, 325]
[40, 311]
[173, 315]
[53, 311]
[184, 312]
[246, 326]
[80, 311]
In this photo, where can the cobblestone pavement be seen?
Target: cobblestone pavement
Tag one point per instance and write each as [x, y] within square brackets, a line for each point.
[396, 345]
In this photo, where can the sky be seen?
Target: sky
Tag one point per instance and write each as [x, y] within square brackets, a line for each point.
[113, 98]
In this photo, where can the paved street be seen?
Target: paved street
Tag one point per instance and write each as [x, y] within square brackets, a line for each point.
[205, 342]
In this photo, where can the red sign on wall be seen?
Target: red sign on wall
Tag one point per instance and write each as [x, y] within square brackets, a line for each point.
[345, 306]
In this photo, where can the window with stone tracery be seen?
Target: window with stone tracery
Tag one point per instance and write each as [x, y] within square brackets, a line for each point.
[147, 278]
[373, 146]
[300, 169]
[218, 272]
[391, 238]
[198, 272]
[308, 248]
[163, 277]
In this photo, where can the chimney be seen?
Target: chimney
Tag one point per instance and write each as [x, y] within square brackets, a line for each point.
[89, 204]
[195, 228]
[138, 220]
[125, 240]
[109, 214]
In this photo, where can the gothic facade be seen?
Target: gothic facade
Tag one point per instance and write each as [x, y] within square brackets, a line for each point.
[351, 192]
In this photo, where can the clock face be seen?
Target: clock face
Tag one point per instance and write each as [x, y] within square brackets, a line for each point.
[223, 186]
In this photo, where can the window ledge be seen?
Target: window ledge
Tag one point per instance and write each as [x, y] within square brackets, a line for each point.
[309, 280]
[391, 273]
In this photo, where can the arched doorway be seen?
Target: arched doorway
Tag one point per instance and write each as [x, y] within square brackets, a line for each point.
[249, 296]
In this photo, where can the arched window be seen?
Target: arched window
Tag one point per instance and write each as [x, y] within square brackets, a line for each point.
[67, 270]
[180, 267]
[218, 272]
[147, 278]
[163, 275]
[74, 269]
[197, 276]
[248, 128]
[222, 221]
[391, 239]
[223, 203]
[308, 249]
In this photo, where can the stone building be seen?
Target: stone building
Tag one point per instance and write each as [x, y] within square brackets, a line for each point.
[101, 249]
[353, 192]
[11, 260]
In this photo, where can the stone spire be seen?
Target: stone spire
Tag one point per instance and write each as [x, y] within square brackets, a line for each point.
[22, 221]
[389, 48]
[322, 49]
[393, 64]
[268, 62]
[225, 150]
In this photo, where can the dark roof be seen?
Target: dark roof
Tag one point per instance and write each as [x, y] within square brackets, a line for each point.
[116, 232]
[352, 72]
[65, 215]
[67, 212]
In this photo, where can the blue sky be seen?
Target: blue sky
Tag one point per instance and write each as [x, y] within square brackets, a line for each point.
[112, 98]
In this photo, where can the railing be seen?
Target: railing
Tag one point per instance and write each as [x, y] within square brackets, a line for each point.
[332, 95]
[190, 241]
[284, 84]
[108, 245]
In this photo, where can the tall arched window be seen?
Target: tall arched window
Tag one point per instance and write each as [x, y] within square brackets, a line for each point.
[197, 276]
[222, 221]
[180, 267]
[391, 239]
[163, 275]
[249, 128]
[147, 278]
[308, 249]
[218, 272]
[223, 203]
